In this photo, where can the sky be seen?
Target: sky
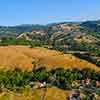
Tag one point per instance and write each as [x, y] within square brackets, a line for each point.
[15, 12]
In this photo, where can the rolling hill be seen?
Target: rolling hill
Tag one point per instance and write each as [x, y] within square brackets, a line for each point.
[23, 56]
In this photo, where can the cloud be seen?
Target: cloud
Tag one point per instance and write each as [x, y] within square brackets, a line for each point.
[72, 18]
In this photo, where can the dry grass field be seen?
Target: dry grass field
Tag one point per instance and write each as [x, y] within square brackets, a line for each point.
[23, 56]
[52, 93]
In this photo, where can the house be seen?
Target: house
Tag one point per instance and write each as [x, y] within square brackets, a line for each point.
[36, 85]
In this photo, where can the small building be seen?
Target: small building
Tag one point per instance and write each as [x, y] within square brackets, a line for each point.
[36, 85]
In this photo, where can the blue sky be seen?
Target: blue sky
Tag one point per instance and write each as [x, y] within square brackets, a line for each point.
[14, 12]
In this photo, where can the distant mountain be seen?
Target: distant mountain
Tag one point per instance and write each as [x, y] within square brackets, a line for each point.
[92, 26]
[16, 30]
[65, 32]
[88, 26]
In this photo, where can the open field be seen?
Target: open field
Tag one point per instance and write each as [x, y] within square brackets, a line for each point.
[52, 93]
[23, 56]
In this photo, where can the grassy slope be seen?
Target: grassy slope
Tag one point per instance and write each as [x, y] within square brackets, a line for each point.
[22, 56]
[51, 94]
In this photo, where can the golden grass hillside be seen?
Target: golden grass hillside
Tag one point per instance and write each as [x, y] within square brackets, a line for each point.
[22, 57]
[52, 93]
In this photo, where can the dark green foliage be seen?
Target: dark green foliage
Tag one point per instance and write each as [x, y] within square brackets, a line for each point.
[13, 42]
[40, 74]
[97, 35]
[88, 73]
[14, 78]
[96, 52]
[9, 41]
[34, 44]
[91, 26]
